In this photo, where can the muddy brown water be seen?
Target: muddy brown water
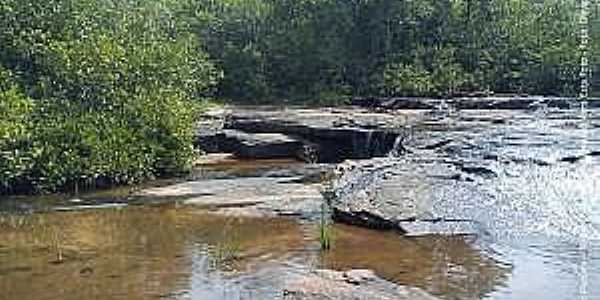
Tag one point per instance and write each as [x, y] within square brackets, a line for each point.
[170, 252]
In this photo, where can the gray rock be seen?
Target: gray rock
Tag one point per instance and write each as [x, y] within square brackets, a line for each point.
[515, 102]
[349, 285]
[246, 196]
[261, 145]
[400, 195]
[330, 135]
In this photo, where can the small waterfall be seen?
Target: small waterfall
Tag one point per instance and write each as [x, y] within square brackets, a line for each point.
[444, 109]
[540, 113]
[443, 106]
[397, 147]
[368, 142]
[583, 111]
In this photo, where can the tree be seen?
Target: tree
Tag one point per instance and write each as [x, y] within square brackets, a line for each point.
[113, 87]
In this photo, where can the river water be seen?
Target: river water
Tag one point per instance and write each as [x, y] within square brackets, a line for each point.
[538, 233]
[540, 214]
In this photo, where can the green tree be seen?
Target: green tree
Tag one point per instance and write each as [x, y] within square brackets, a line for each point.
[114, 87]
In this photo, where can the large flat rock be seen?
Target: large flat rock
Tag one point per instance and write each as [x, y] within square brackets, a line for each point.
[463, 173]
[262, 196]
[261, 145]
[402, 195]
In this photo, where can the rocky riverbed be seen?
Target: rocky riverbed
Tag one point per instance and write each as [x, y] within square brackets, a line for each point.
[388, 164]
[507, 171]
[430, 202]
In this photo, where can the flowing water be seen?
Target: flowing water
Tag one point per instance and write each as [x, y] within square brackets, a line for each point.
[534, 195]
[538, 227]
[541, 214]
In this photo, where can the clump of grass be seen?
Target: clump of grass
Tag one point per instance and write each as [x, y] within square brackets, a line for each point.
[325, 236]
[325, 230]
[226, 253]
[325, 223]
[57, 247]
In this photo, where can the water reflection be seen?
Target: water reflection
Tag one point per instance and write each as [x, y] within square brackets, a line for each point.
[136, 253]
[543, 209]
[185, 253]
[442, 265]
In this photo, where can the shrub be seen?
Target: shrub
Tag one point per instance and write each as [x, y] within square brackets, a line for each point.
[15, 110]
[407, 80]
[433, 72]
[105, 92]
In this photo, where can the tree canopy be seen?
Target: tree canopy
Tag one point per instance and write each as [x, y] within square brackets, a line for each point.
[318, 49]
[106, 91]
[96, 91]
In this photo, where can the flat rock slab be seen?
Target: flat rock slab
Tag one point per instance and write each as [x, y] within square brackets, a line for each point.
[403, 195]
[261, 145]
[262, 196]
[459, 167]
[349, 285]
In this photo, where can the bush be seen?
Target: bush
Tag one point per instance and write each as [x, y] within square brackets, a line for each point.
[448, 76]
[105, 92]
[433, 72]
[15, 132]
[407, 80]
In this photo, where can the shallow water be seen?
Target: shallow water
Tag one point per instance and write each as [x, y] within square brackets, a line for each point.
[169, 252]
[138, 253]
[541, 214]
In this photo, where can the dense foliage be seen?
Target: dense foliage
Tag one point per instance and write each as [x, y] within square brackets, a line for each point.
[323, 49]
[96, 92]
[105, 91]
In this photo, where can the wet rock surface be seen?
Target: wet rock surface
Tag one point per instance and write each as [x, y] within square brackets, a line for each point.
[468, 103]
[401, 195]
[261, 196]
[403, 169]
[349, 285]
[455, 163]
[227, 185]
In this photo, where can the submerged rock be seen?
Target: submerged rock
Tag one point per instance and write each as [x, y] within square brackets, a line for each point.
[260, 196]
[349, 285]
